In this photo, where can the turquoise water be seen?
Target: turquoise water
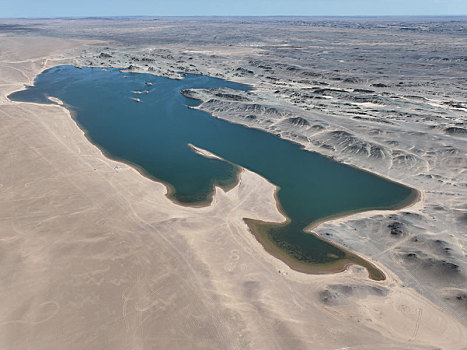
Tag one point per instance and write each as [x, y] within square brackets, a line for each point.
[153, 136]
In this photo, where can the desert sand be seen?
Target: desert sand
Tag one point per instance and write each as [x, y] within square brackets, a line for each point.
[94, 256]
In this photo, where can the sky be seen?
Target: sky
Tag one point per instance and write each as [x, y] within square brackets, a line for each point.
[80, 8]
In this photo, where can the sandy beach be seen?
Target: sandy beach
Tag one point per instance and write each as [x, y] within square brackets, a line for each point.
[94, 255]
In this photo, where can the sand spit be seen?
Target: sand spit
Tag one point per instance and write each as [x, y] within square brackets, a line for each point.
[95, 256]
[203, 152]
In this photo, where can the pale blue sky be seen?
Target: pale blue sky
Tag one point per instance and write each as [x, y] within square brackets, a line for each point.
[58, 8]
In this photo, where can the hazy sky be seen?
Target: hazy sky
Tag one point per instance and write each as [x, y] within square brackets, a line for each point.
[57, 8]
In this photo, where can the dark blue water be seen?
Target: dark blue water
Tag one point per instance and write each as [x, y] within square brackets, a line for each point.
[153, 135]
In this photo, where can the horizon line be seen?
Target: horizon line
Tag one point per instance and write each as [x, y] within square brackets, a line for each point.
[238, 16]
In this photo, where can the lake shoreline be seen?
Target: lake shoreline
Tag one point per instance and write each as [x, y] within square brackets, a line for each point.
[332, 267]
[339, 266]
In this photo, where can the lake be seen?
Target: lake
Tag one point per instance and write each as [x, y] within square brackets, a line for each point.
[153, 135]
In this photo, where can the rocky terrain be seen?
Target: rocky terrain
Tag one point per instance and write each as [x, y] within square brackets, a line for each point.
[385, 95]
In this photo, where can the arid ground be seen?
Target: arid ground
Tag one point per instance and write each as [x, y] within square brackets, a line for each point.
[94, 256]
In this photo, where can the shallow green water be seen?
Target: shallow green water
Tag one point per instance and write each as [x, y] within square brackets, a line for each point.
[153, 136]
